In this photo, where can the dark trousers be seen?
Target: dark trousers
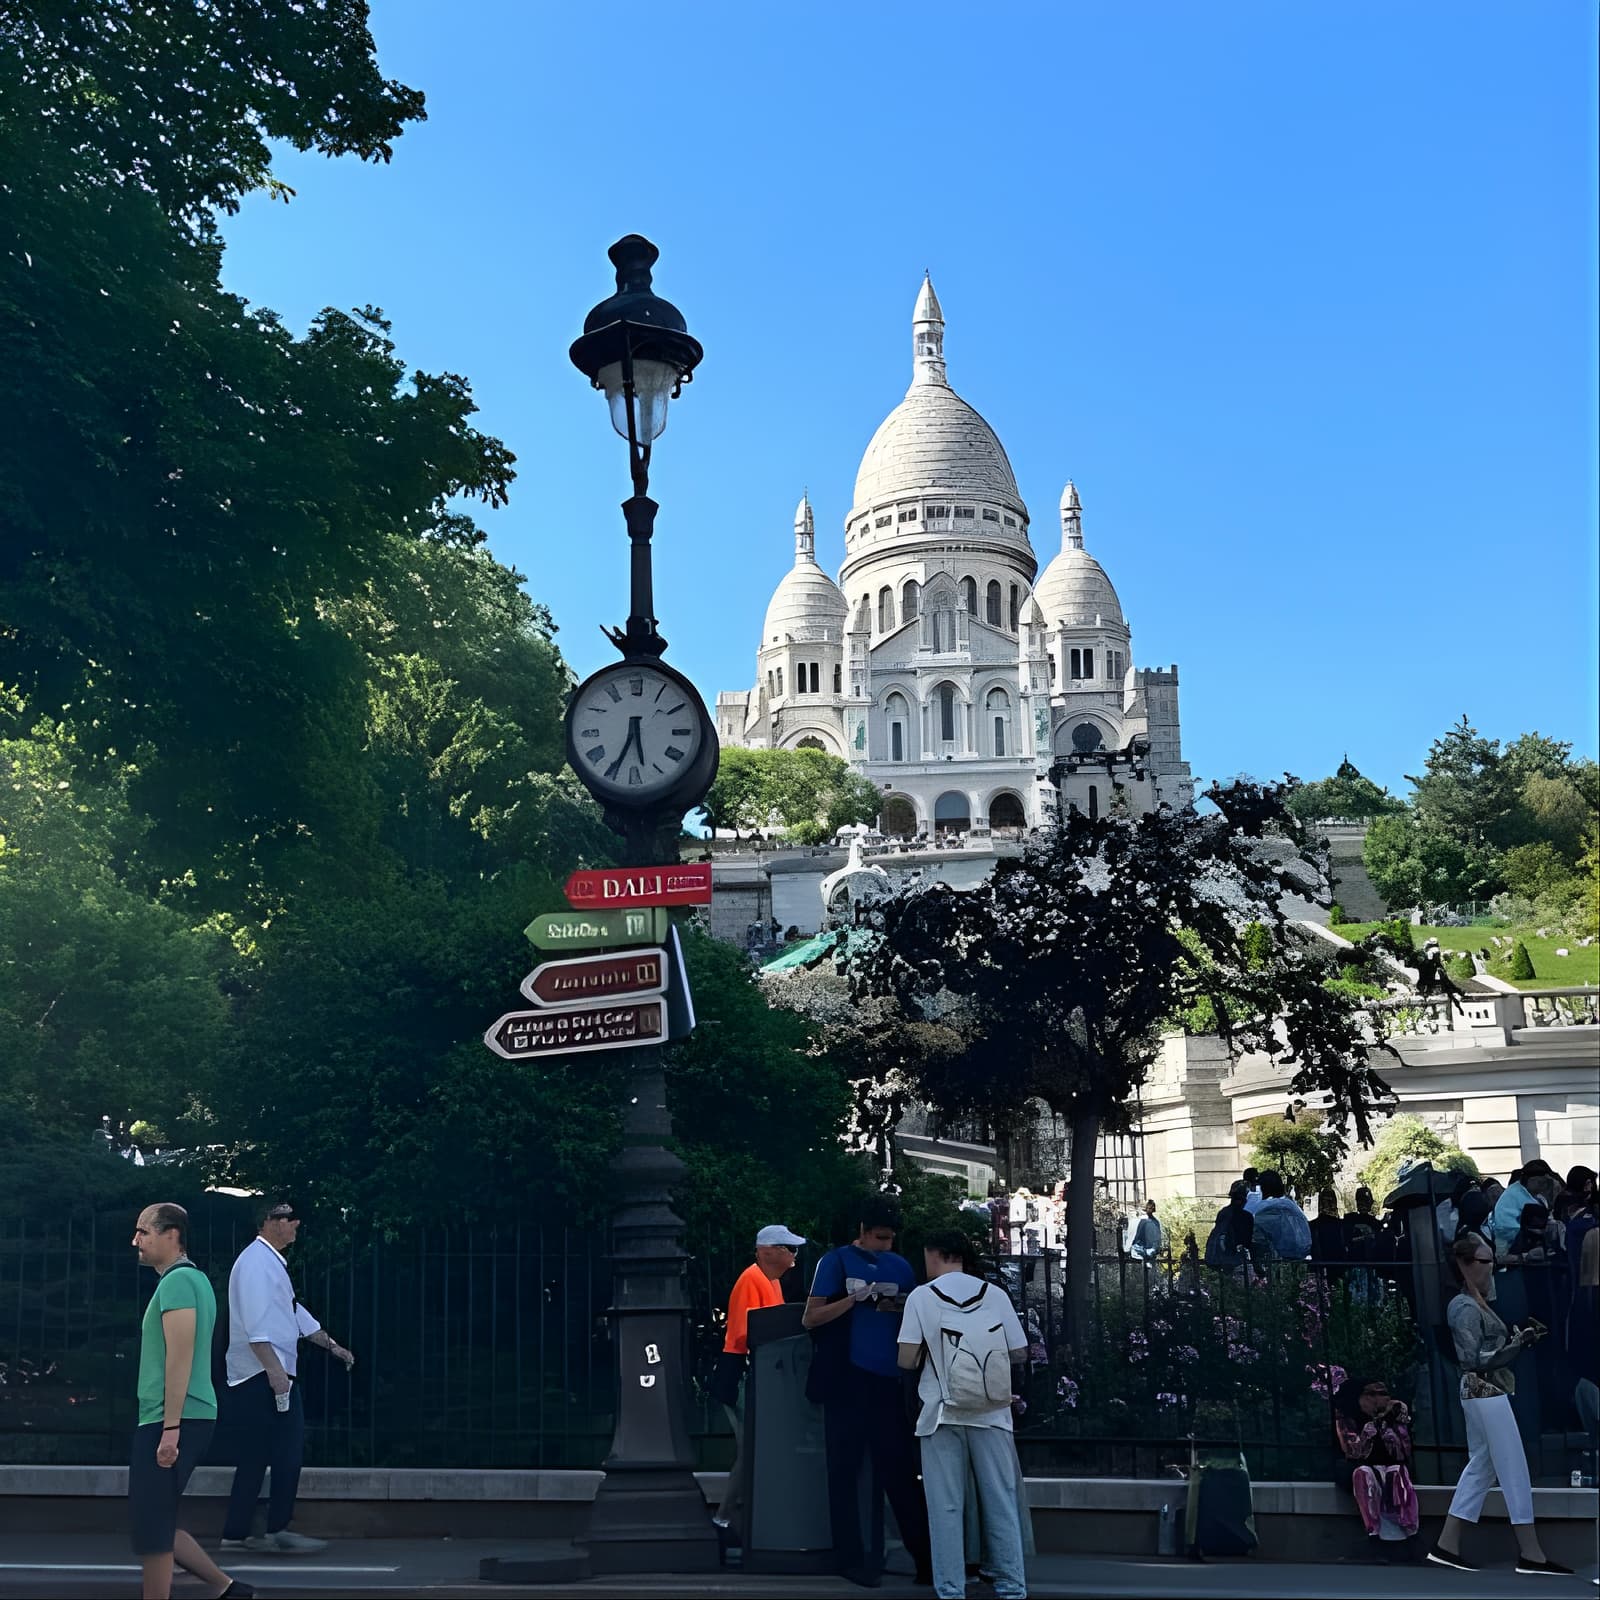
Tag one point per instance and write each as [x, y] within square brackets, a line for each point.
[265, 1437]
[868, 1416]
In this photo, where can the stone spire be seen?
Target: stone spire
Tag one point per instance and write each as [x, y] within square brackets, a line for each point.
[927, 337]
[1071, 518]
[805, 532]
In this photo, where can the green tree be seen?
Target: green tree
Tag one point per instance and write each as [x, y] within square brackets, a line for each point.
[1521, 963]
[1061, 969]
[110, 1003]
[1306, 1157]
[760, 1112]
[1411, 864]
[810, 793]
[1345, 797]
[180, 100]
[1535, 870]
[1408, 1138]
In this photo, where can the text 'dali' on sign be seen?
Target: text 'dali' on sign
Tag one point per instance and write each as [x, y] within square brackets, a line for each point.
[628, 975]
[686, 884]
[575, 1030]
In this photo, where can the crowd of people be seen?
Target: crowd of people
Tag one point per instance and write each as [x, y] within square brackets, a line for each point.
[915, 1376]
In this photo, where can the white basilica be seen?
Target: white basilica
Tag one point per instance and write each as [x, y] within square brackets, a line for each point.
[937, 665]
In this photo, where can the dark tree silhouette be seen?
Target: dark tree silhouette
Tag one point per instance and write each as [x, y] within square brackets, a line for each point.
[1061, 970]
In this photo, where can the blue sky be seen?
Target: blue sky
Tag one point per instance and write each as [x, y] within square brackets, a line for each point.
[1302, 296]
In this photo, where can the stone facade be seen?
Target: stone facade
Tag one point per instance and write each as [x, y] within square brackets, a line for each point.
[937, 665]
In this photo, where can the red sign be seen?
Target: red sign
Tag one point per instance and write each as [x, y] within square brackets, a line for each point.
[588, 978]
[688, 885]
[575, 1030]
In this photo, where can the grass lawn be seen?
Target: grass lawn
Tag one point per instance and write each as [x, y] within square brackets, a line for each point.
[1550, 970]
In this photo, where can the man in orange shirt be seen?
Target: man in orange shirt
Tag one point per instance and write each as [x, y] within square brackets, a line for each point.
[755, 1288]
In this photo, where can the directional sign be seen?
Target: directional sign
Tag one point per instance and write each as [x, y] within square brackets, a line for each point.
[618, 887]
[576, 1030]
[633, 974]
[596, 930]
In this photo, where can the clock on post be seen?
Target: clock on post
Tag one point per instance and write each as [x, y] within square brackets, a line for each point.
[639, 737]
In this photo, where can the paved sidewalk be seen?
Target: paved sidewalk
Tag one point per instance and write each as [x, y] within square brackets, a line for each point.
[99, 1565]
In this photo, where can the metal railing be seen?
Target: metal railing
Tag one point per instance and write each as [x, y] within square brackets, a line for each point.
[490, 1348]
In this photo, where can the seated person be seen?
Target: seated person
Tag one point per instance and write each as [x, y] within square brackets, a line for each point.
[1373, 1431]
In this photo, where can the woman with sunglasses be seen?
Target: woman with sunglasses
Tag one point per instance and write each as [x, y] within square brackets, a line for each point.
[1485, 1352]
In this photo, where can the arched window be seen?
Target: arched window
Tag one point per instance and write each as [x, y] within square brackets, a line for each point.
[1016, 603]
[998, 707]
[838, 678]
[947, 712]
[897, 714]
[910, 597]
[885, 610]
[810, 742]
[991, 603]
[969, 596]
[780, 683]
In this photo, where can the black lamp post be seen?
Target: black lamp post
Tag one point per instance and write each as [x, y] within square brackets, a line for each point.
[639, 737]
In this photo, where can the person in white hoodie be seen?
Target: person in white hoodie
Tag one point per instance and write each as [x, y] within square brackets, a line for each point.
[965, 1337]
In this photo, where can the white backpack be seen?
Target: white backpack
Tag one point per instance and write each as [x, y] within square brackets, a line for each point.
[975, 1374]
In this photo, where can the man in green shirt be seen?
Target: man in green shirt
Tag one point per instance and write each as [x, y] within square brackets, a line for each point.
[177, 1405]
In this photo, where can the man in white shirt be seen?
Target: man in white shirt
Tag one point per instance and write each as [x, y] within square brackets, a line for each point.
[966, 1337]
[266, 1323]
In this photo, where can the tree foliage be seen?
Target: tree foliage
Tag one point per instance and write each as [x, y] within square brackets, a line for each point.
[1345, 797]
[808, 793]
[1409, 1138]
[1304, 1155]
[1484, 820]
[1060, 970]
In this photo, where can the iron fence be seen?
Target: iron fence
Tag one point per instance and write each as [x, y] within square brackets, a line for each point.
[475, 1347]
[489, 1347]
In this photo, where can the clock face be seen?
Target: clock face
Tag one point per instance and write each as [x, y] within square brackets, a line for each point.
[635, 732]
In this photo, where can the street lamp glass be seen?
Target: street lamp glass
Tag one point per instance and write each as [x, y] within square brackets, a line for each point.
[653, 383]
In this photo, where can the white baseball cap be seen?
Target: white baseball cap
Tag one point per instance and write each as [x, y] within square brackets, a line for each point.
[778, 1234]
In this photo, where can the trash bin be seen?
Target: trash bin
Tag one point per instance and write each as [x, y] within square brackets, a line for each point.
[787, 1527]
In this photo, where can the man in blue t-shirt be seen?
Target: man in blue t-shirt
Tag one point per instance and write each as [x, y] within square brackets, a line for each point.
[854, 1314]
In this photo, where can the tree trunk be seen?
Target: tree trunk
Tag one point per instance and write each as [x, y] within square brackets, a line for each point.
[1080, 1222]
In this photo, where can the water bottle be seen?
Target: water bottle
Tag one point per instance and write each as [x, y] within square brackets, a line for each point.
[1577, 1477]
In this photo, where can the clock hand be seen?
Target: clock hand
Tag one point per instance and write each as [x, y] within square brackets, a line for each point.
[633, 741]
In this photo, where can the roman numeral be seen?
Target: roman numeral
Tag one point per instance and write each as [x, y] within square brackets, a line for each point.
[636, 683]
[681, 733]
[596, 755]
[614, 692]
[635, 777]
[588, 733]
[673, 753]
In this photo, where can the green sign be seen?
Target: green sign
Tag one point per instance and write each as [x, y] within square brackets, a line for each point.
[597, 930]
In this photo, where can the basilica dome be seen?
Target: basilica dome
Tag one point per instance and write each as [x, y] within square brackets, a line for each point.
[933, 441]
[1074, 587]
[807, 604]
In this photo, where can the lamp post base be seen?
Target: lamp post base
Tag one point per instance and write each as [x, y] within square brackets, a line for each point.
[650, 1519]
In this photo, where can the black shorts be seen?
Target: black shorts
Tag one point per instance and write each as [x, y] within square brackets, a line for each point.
[153, 1489]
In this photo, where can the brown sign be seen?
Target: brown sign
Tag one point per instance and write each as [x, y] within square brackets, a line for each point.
[575, 1030]
[634, 974]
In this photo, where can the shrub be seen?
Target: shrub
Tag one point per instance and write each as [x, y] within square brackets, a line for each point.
[1305, 1156]
[1460, 967]
[1521, 962]
[1336, 916]
[1410, 1137]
